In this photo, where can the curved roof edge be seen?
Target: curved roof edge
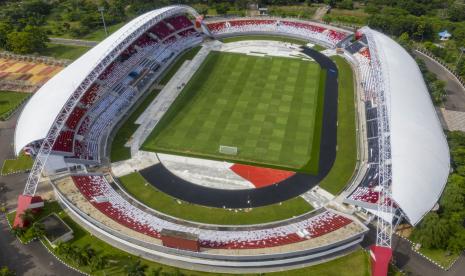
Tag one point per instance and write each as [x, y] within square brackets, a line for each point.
[419, 149]
[39, 114]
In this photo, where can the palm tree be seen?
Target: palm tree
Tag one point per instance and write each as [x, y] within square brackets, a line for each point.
[27, 216]
[135, 269]
[17, 231]
[38, 230]
[64, 249]
[98, 262]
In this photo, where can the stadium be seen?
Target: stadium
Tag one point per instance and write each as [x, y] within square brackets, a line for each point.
[239, 126]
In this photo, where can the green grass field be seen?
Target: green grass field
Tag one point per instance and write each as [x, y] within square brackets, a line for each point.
[346, 156]
[20, 164]
[64, 51]
[9, 101]
[138, 187]
[267, 107]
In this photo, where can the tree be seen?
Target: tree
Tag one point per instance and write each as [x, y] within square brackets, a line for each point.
[135, 268]
[18, 231]
[457, 241]
[21, 42]
[39, 37]
[404, 40]
[28, 216]
[98, 262]
[432, 232]
[438, 91]
[327, 18]
[5, 29]
[222, 8]
[453, 198]
[456, 12]
[346, 4]
[63, 249]
[5, 271]
[38, 230]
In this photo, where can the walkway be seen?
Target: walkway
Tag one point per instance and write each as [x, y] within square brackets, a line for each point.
[73, 42]
[32, 259]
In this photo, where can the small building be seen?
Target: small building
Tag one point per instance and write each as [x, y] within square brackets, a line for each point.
[444, 35]
[56, 230]
[263, 11]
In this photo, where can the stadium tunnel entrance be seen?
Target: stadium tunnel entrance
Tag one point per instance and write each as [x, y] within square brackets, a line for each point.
[164, 180]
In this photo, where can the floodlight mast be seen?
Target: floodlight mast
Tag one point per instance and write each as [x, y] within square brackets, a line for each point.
[385, 212]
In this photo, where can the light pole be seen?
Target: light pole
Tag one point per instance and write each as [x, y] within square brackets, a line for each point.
[101, 9]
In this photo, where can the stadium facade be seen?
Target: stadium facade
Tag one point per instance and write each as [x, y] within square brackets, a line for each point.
[419, 162]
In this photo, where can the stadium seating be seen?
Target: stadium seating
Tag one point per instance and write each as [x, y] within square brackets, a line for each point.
[64, 141]
[179, 22]
[102, 106]
[90, 95]
[161, 30]
[75, 116]
[302, 29]
[365, 194]
[99, 192]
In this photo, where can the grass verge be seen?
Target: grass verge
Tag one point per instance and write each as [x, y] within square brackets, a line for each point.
[138, 187]
[21, 164]
[64, 51]
[9, 102]
[190, 54]
[439, 256]
[118, 151]
[346, 156]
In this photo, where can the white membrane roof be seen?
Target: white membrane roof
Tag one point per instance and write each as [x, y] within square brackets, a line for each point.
[420, 154]
[44, 106]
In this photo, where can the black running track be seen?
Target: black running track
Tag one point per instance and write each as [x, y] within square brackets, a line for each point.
[167, 182]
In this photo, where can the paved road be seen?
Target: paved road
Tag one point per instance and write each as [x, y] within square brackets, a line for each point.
[32, 259]
[455, 94]
[409, 261]
[73, 42]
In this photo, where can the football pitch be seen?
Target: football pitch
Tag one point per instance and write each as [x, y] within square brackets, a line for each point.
[269, 108]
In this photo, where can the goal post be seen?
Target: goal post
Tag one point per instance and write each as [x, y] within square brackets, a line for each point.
[228, 150]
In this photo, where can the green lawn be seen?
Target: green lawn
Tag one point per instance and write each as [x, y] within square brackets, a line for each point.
[188, 55]
[64, 51]
[353, 264]
[440, 256]
[267, 107]
[138, 187]
[346, 156]
[264, 37]
[318, 48]
[118, 151]
[99, 34]
[20, 164]
[9, 101]
[49, 207]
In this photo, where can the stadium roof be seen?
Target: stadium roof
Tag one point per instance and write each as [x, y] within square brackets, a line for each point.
[40, 112]
[420, 154]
